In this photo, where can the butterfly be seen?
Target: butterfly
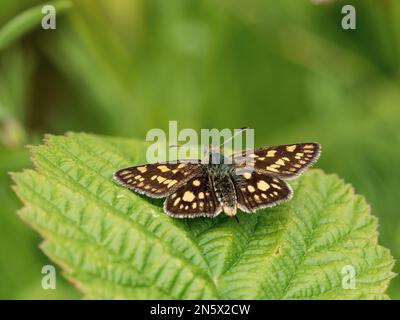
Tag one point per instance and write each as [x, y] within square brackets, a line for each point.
[195, 189]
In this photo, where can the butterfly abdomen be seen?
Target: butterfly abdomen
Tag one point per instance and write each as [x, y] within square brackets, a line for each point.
[224, 187]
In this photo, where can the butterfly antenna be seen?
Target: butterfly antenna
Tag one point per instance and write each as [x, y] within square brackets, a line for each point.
[237, 133]
[237, 219]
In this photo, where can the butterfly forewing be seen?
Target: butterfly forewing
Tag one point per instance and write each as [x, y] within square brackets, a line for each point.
[256, 190]
[284, 161]
[159, 179]
[196, 198]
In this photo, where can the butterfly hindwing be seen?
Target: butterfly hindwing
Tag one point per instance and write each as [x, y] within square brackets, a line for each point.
[256, 190]
[157, 180]
[286, 161]
[196, 198]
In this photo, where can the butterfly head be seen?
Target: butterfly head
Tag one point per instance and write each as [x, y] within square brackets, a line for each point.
[215, 155]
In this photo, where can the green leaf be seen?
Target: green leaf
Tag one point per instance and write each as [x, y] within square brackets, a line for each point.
[18, 281]
[113, 243]
[26, 21]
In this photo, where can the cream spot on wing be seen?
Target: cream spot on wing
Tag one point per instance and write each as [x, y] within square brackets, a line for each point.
[280, 162]
[141, 179]
[293, 169]
[297, 157]
[201, 195]
[201, 204]
[181, 165]
[188, 196]
[173, 196]
[124, 172]
[177, 201]
[264, 195]
[172, 183]
[140, 185]
[167, 181]
[160, 179]
[129, 180]
[142, 169]
[194, 205]
[291, 148]
[257, 198]
[270, 153]
[196, 182]
[181, 206]
[308, 151]
[138, 177]
[187, 207]
[262, 185]
[128, 176]
[276, 186]
[147, 187]
[299, 154]
[154, 177]
[247, 175]
[309, 146]
[270, 168]
[174, 171]
[302, 162]
[163, 168]
[285, 158]
[275, 193]
[251, 188]
[261, 158]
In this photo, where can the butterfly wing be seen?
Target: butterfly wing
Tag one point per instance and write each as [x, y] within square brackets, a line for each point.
[196, 198]
[159, 179]
[286, 161]
[256, 191]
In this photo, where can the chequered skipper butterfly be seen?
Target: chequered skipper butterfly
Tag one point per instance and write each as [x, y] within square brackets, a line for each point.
[193, 189]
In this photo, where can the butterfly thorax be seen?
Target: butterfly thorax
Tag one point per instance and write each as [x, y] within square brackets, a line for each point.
[221, 176]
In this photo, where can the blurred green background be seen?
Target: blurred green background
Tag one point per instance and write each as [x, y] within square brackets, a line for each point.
[121, 67]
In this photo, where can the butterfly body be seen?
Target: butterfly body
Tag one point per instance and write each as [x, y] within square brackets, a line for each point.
[193, 189]
[222, 178]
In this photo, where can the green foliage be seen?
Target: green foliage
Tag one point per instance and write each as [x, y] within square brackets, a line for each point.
[26, 21]
[284, 68]
[113, 243]
[21, 265]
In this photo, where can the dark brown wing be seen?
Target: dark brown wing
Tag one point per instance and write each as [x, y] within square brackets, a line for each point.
[286, 161]
[194, 199]
[256, 190]
[159, 179]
